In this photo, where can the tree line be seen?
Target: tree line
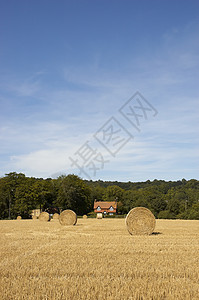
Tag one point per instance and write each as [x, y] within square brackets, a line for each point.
[19, 195]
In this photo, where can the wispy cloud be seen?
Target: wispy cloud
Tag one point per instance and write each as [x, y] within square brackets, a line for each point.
[44, 121]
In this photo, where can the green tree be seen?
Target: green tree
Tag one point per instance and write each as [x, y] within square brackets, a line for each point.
[194, 212]
[9, 185]
[113, 193]
[4, 199]
[74, 194]
[128, 201]
[97, 192]
[166, 214]
[25, 198]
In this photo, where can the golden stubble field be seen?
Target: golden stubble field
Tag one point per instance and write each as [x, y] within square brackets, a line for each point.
[98, 259]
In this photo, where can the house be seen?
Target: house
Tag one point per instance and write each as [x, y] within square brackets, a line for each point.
[105, 207]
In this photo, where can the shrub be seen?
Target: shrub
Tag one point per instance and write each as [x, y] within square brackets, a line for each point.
[166, 214]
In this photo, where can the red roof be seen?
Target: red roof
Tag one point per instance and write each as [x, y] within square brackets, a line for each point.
[105, 206]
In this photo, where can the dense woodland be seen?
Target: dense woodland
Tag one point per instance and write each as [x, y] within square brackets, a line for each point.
[167, 200]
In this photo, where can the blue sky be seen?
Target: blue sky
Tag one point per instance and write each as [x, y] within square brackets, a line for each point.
[67, 67]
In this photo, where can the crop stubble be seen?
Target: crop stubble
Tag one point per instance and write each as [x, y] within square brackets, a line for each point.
[98, 260]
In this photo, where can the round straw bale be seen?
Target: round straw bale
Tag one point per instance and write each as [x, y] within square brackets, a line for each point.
[34, 217]
[140, 221]
[44, 216]
[55, 216]
[68, 217]
[84, 216]
[99, 215]
[19, 218]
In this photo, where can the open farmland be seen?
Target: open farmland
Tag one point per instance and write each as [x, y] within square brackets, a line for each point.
[98, 259]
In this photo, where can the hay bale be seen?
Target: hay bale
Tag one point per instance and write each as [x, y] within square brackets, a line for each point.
[140, 221]
[84, 216]
[34, 217]
[55, 216]
[44, 216]
[19, 218]
[99, 215]
[68, 217]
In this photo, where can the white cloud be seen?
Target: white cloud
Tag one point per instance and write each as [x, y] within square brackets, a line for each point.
[39, 140]
[43, 163]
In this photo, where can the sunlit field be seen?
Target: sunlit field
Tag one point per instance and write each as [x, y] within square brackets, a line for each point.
[98, 259]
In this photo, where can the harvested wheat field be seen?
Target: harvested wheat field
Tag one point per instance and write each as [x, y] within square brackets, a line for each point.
[98, 259]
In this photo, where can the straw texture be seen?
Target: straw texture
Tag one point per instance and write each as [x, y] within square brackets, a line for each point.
[44, 216]
[99, 216]
[55, 216]
[68, 217]
[140, 221]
